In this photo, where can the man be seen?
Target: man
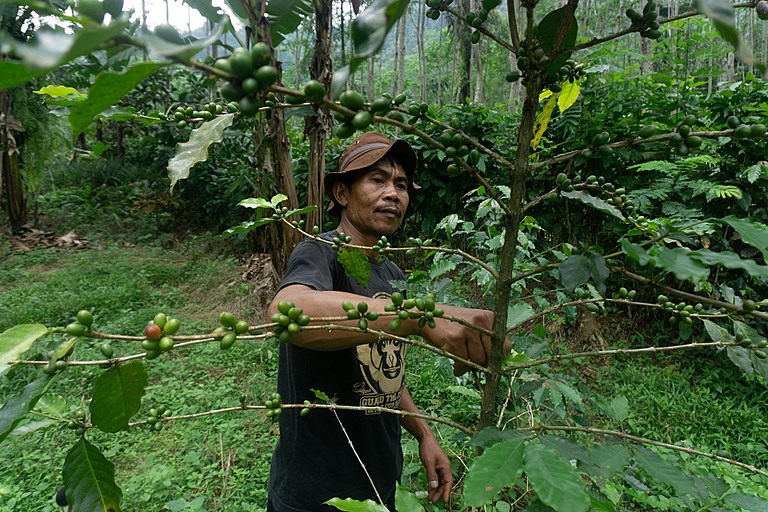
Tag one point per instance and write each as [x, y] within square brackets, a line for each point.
[354, 454]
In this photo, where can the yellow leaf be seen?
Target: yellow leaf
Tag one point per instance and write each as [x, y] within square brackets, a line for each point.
[59, 91]
[568, 95]
[545, 94]
[542, 120]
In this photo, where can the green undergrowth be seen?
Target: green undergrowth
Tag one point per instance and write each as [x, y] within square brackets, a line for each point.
[699, 397]
[216, 462]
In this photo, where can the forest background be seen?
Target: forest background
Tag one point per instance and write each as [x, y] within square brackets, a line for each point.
[690, 390]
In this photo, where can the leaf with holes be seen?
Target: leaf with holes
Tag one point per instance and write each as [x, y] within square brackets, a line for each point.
[117, 395]
[196, 149]
[89, 479]
[356, 264]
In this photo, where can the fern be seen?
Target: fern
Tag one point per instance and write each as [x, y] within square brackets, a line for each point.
[697, 162]
[755, 172]
[677, 210]
[668, 168]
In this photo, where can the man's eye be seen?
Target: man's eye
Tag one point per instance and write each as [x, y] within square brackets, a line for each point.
[402, 186]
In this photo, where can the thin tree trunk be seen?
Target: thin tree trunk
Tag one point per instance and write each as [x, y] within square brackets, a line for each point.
[420, 27]
[477, 64]
[10, 171]
[285, 237]
[317, 127]
[465, 49]
[400, 54]
[370, 85]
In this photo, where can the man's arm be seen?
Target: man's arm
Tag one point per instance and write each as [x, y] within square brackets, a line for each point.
[434, 459]
[452, 337]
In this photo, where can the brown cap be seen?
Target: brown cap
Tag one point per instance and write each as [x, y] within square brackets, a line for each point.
[365, 151]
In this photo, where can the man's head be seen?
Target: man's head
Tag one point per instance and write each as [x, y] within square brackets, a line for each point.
[366, 151]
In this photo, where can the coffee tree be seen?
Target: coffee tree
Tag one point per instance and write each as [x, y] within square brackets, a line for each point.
[661, 262]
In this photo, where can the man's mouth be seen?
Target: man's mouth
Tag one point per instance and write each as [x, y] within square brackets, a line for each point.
[389, 210]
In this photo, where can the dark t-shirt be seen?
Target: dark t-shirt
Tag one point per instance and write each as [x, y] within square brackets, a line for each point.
[313, 461]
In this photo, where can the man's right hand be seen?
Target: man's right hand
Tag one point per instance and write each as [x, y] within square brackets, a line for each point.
[461, 340]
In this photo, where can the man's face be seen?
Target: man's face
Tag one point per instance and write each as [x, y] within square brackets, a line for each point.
[376, 200]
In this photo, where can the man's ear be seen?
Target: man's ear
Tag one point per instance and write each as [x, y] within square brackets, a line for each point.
[341, 193]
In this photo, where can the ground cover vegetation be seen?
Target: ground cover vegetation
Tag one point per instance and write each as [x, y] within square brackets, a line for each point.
[623, 150]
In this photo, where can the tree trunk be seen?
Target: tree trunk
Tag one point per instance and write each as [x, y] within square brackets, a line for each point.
[477, 64]
[400, 55]
[465, 51]
[420, 27]
[285, 237]
[10, 171]
[317, 127]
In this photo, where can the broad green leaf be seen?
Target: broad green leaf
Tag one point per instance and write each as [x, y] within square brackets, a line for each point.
[496, 468]
[108, 89]
[368, 32]
[599, 272]
[53, 405]
[406, 501]
[285, 16]
[740, 356]
[574, 271]
[16, 408]
[17, 340]
[206, 9]
[236, 6]
[89, 479]
[555, 481]
[748, 502]
[606, 460]
[464, 390]
[542, 120]
[682, 262]
[679, 261]
[568, 96]
[546, 32]
[157, 46]
[52, 48]
[256, 202]
[277, 199]
[491, 435]
[752, 232]
[117, 395]
[664, 472]
[356, 264]
[723, 17]
[594, 202]
[247, 226]
[717, 333]
[13, 74]
[730, 260]
[518, 312]
[350, 505]
[196, 149]
[618, 408]
[566, 449]
[60, 91]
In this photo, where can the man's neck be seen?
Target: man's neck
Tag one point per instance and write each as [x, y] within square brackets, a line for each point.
[359, 238]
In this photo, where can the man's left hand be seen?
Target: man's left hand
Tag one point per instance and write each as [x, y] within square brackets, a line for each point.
[438, 466]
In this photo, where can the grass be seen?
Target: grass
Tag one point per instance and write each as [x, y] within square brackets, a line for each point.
[220, 462]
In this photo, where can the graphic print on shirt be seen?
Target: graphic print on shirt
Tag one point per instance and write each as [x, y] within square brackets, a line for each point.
[382, 366]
